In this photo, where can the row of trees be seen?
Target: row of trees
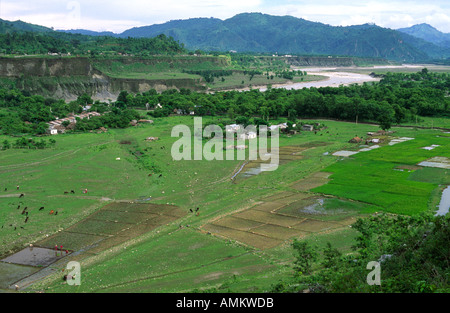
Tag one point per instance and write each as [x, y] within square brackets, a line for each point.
[210, 75]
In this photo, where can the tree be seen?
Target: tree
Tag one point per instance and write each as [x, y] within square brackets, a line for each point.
[386, 116]
[6, 144]
[84, 99]
[305, 256]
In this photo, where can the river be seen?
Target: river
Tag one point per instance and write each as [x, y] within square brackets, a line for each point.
[337, 78]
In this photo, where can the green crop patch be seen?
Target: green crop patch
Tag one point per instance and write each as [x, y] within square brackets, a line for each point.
[370, 177]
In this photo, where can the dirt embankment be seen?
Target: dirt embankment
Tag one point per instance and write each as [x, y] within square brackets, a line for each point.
[69, 77]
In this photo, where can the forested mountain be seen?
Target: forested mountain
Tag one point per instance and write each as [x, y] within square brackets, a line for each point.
[428, 33]
[23, 38]
[256, 32]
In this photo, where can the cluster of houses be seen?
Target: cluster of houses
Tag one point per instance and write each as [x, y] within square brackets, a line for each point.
[283, 127]
[56, 127]
[238, 129]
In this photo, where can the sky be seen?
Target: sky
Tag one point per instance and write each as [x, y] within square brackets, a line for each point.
[119, 15]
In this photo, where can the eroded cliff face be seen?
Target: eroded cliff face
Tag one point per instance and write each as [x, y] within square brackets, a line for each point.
[69, 77]
[45, 67]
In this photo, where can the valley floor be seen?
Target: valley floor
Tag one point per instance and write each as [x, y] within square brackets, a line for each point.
[139, 221]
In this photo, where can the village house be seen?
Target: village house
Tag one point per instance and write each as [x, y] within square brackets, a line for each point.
[232, 128]
[248, 135]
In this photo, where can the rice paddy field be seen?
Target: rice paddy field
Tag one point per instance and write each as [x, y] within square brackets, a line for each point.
[139, 221]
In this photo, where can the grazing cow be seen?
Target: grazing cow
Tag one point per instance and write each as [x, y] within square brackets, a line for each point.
[160, 175]
[21, 195]
[26, 220]
[6, 189]
[51, 212]
[191, 211]
[56, 213]
[66, 192]
[149, 175]
[196, 210]
[18, 207]
[41, 208]
[72, 191]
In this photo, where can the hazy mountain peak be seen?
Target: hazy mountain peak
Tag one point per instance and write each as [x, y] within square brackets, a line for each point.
[428, 33]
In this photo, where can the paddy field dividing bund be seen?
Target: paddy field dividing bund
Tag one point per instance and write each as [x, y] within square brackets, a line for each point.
[134, 230]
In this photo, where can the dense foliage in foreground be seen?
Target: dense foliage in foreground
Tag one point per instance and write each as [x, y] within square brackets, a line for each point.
[413, 253]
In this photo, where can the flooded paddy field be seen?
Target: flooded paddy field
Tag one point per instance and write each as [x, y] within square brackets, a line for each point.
[281, 216]
[110, 226]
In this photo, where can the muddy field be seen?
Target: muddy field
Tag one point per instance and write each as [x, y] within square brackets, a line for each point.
[279, 217]
[100, 231]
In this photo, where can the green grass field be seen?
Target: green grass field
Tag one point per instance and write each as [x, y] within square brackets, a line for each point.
[371, 177]
[239, 80]
[180, 255]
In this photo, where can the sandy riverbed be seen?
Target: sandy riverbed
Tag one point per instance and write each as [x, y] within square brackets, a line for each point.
[337, 76]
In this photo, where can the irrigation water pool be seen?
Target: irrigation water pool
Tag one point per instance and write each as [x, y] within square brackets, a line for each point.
[444, 205]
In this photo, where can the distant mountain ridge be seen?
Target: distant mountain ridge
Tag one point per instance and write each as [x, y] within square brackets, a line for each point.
[428, 33]
[257, 32]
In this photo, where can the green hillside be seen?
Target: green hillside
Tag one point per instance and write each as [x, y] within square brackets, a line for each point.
[246, 32]
[256, 32]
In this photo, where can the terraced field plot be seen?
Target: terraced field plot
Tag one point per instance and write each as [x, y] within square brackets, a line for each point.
[265, 226]
[280, 217]
[285, 154]
[390, 177]
[113, 224]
